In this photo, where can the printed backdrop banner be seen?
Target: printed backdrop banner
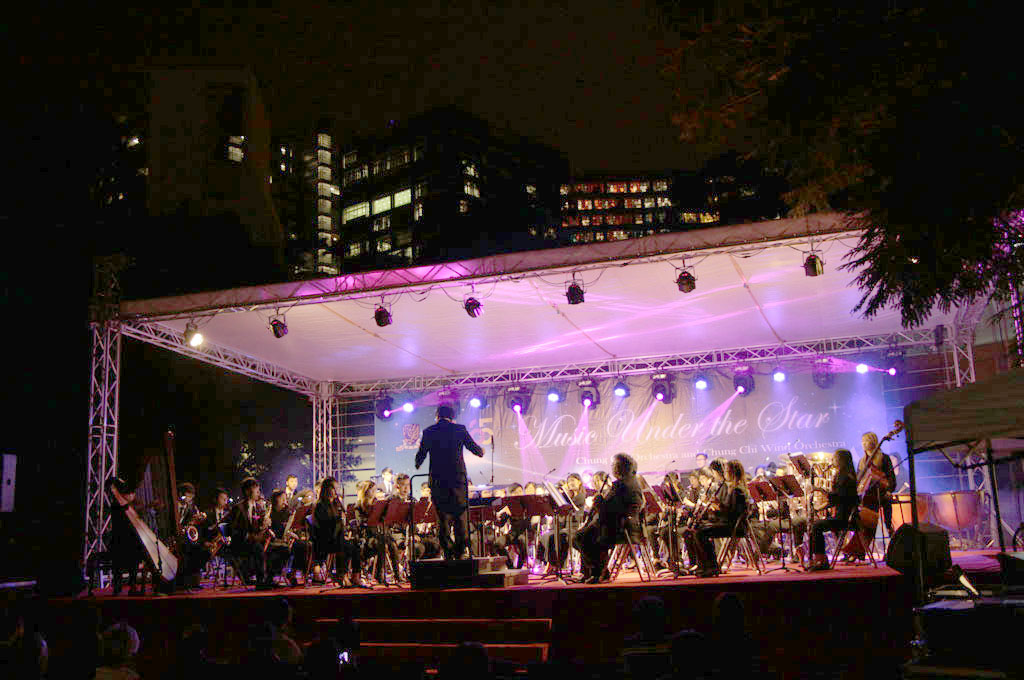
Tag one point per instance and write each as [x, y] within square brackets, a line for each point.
[558, 438]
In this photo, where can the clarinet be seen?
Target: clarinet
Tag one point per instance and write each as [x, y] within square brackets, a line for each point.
[697, 516]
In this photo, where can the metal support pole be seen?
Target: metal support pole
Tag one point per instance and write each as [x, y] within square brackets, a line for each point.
[916, 522]
[101, 457]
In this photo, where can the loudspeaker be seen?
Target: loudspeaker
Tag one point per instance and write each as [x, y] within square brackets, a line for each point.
[7, 483]
[934, 549]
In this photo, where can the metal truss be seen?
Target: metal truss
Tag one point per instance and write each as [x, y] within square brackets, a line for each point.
[323, 440]
[101, 461]
[507, 267]
[168, 338]
[913, 341]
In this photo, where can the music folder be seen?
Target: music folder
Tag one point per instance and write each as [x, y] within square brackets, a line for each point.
[377, 511]
[397, 512]
[800, 462]
[761, 491]
[424, 512]
[514, 505]
[787, 485]
[652, 504]
[537, 506]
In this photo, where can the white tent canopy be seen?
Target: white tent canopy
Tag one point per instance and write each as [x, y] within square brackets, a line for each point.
[751, 291]
[993, 409]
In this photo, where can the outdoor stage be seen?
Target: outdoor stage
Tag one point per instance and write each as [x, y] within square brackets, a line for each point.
[855, 617]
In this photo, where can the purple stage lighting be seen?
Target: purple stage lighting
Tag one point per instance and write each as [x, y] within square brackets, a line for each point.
[862, 368]
[741, 389]
[517, 408]
[475, 402]
[621, 389]
[778, 375]
[408, 407]
[701, 383]
[586, 402]
[660, 396]
[892, 371]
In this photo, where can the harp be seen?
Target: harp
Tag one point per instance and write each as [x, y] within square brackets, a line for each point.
[156, 512]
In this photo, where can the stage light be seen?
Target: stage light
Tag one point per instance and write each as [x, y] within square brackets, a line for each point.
[475, 402]
[589, 396]
[894, 359]
[192, 335]
[383, 407]
[554, 396]
[822, 375]
[686, 282]
[518, 398]
[661, 388]
[891, 371]
[813, 265]
[473, 307]
[621, 389]
[862, 368]
[701, 382]
[278, 327]
[778, 375]
[574, 293]
[743, 379]
[408, 407]
[478, 400]
[382, 316]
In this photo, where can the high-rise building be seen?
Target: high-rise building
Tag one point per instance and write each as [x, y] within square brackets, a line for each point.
[304, 185]
[445, 185]
[616, 207]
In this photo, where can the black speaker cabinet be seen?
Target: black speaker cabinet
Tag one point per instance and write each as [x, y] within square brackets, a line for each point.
[934, 549]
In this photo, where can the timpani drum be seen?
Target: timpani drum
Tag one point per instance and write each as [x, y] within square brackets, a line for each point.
[956, 510]
[901, 509]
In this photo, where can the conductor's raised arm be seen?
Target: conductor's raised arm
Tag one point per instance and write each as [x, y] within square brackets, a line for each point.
[472, 445]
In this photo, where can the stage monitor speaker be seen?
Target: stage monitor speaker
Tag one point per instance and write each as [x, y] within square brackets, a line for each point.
[934, 549]
[7, 483]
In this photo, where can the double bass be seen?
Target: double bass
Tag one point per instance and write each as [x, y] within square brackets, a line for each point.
[865, 517]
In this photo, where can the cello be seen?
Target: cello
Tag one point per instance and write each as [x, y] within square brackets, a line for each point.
[865, 517]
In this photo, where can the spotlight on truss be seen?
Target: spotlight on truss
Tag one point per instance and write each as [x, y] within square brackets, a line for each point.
[686, 281]
[555, 395]
[478, 400]
[518, 398]
[473, 307]
[278, 327]
[574, 293]
[814, 265]
[700, 381]
[192, 335]
[662, 388]
[621, 389]
[589, 396]
[894, 359]
[743, 379]
[383, 407]
[382, 316]
[822, 373]
[778, 375]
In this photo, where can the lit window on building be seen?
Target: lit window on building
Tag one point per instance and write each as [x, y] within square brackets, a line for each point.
[323, 189]
[576, 238]
[284, 168]
[408, 253]
[380, 166]
[566, 205]
[617, 187]
[664, 202]
[585, 221]
[661, 185]
[382, 223]
[585, 204]
[638, 187]
[120, 197]
[634, 203]
[384, 245]
[334, 189]
[463, 205]
[323, 172]
[134, 141]
[564, 189]
[638, 218]
[661, 216]
[421, 189]
[550, 232]
[531, 189]
[327, 269]
[571, 221]
[650, 202]
[323, 156]
[400, 158]
[617, 235]
[324, 222]
[417, 211]
[470, 169]
[235, 154]
[355, 249]
[472, 189]
[237, 140]
[381, 204]
[323, 205]
[599, 236]
[403, 197]
[349, 159]
[417, 153]
[532, 231]
[688, 217]
[708, 218]
[144, 172]
[597, 220]
[323, 139]
[284, 151]
[356, 211]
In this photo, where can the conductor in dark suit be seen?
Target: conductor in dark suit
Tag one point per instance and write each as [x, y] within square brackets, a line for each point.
[449, 483]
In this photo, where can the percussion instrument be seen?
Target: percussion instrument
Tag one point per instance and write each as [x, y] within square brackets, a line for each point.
[901, 509]
[956, 510]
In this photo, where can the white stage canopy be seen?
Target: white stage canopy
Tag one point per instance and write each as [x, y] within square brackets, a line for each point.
[751, 292]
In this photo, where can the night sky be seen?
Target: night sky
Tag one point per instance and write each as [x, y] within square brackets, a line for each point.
[583, 77]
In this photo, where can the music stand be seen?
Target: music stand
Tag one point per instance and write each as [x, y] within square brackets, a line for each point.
[766, 491]
[801, 464]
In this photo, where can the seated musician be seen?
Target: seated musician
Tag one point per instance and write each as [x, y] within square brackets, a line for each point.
[328, 537]
[883, 482]
[250, 524]
[576, 494]
[194, 555]
[512, 533]
[618, 516]
[400, 491]
[427, 544]
[126, 550]
[843, 501]
[286, 541]
[376, 541]
[667, 523]
[728, 504]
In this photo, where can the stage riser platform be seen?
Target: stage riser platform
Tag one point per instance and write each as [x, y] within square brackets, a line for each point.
[795, 620]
